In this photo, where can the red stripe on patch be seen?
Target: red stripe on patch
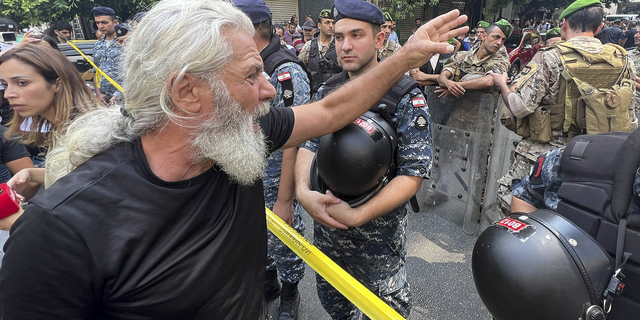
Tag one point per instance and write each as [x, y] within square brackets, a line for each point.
[540, 162]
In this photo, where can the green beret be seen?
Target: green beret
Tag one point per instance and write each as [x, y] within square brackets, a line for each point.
[325, 13]
[483, 24]
[577, 5]
[505, 26]
[387, 17]
[553, 33]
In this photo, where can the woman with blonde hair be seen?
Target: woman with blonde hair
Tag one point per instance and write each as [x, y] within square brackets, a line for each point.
[46, 93]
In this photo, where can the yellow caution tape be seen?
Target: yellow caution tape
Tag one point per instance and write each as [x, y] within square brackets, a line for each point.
[353, 290]
[99, 72]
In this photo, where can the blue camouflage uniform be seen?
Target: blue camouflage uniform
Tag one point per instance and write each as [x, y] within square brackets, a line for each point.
[375, 252]
[109, 59]
[540, 188]
[289, 265]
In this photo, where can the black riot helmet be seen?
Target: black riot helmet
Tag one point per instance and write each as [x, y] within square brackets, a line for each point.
[540, 266]
[356, 161]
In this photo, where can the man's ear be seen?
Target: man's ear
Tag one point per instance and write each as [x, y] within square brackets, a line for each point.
[186, 93]
[379, 40]
[599, 28]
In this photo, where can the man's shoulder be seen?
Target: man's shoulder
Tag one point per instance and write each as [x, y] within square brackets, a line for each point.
[84, 177]
[290, 70]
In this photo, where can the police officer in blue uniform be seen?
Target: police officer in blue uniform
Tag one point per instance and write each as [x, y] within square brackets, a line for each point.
[369, 241]
[290, 78]
[107, 52]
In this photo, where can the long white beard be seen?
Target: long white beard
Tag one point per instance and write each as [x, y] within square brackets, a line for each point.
[228, 138]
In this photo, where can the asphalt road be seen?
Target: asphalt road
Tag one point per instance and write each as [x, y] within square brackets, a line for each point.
[438, 267]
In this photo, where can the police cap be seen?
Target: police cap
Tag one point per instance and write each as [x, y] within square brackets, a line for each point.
[577, 5]
[257, 10]
[483, 24]
[357, 10]
[103, 11]
[387, 16]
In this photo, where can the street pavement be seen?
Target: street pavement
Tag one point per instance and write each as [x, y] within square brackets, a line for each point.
[438, 267]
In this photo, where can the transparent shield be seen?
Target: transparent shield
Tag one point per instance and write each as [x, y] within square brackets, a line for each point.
[461, 141]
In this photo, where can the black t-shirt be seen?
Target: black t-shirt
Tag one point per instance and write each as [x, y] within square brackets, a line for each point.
[10, 150]
[629, 36]
[113, 241]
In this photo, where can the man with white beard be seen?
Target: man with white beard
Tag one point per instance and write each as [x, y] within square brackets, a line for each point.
[162, 215]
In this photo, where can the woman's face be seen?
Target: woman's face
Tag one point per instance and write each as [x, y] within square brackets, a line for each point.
[27, 91]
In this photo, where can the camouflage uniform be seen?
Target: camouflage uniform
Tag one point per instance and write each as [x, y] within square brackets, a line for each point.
[375, 252]
[109, 59]
[539, 85]
[289, 265]
[465, 116]
[634, 56]
[389, 48]
[304, 52]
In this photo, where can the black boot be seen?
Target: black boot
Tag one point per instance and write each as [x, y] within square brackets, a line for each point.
[289, 301]
[271, 285]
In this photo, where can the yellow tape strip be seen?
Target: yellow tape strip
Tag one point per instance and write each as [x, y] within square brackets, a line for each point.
[115, 84]
[353, 290]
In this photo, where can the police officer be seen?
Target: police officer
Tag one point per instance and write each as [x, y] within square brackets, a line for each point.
[289, 77]
[389, 46]
[471, 69]
[319, 54]
[369, 241]
[107, 53]
[536, 100]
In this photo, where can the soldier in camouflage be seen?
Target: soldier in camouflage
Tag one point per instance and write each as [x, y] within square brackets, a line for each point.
[471, 69]
[292, 85]
[539, 85]
[634, 56]
[389, 46]
[319, 54]
[368, 241]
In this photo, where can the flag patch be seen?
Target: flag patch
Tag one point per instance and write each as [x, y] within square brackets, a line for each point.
[284, 76]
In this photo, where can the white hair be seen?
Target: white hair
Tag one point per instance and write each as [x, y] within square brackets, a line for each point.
[175, 37]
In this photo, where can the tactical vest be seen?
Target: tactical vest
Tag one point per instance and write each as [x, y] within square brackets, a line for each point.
[274, 55]
[322, 69]
[597, 189]
[391, 98]
[596, 90]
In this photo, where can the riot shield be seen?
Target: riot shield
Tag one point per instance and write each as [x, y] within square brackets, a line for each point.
[461, 129]
[502, 155]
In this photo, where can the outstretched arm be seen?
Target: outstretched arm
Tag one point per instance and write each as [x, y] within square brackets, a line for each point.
[343, 106]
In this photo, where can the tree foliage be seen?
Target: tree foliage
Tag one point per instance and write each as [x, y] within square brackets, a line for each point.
[400, 9]
[33, 12]
[531, 6]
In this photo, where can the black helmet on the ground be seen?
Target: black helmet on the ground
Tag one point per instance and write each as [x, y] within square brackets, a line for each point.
[355, 162]
[540, 266]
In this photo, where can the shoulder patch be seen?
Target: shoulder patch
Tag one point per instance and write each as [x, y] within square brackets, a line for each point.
[529, 70]
[418, 102]
[421, 122]
[284, 76]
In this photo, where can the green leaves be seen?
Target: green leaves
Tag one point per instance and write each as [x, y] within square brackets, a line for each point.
[34, 12]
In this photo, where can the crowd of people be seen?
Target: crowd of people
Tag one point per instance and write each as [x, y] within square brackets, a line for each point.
[153, 192]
